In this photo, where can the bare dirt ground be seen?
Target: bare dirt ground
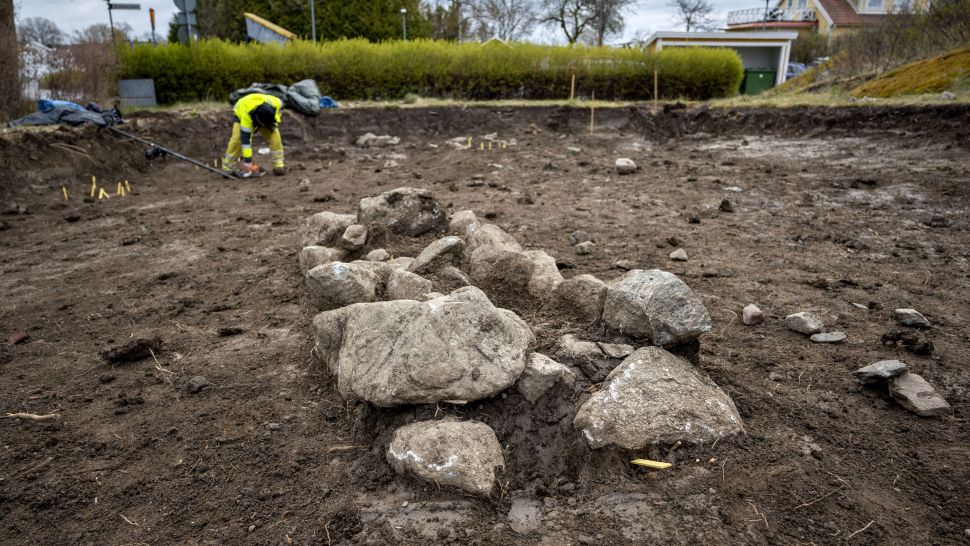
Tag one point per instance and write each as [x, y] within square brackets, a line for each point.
[837, 207]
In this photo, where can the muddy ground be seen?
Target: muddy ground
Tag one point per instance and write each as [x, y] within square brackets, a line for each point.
[837, 207]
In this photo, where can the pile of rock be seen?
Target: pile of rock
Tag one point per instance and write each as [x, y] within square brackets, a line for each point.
[908, 389]
[424, 330]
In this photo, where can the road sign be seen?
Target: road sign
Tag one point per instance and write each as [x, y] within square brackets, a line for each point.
[185, 5]
[123, 6]
[183, 18]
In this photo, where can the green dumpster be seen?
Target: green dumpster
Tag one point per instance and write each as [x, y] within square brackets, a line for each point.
[757, 80]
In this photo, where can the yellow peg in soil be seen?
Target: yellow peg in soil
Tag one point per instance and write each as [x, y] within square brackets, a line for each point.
[489, 145]
[481, 145]
[469, 142]
[103, 194]
[94, 185]
[127, 187]
[64, 189]
[120, 190]
[657, 465]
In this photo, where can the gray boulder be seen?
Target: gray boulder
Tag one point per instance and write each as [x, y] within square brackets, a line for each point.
[804, 323]
[541, 374]
[404, 285]
[911, 317]
[464, 455]
[657, 305]
[883, 370]
[504, 274]
[654, 397]
[443, 252]
[405, 211]
[312, 256]
[337, 284]
[915, 394]
[456, 347]
[325, 228]
[545, 274]
[581, 297]
[491, 237]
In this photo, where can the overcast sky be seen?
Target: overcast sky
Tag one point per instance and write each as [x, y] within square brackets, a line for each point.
[72, 15]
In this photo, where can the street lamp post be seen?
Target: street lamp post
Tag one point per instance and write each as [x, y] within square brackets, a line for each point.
[404, 23]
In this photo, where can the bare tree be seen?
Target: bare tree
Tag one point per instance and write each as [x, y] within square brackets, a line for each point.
[10, 93]
[573, 17]
[695, 14]
[40, 30]
[509, 20]
[607, 18]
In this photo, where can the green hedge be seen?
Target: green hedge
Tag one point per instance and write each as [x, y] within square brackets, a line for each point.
[358, 69]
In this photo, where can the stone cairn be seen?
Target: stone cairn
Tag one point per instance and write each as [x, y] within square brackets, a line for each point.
[390, 336]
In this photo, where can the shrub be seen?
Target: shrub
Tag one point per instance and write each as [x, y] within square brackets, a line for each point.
[357, 69]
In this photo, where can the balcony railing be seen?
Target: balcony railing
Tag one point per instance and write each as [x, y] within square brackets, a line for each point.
[774, 15]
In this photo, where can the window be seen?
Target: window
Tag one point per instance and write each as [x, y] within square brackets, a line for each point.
[802, 4]
[876, 5]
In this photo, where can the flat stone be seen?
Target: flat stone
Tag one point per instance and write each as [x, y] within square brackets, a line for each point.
[911, 317]
[541, 374]
[752, 315]
[679, 255]
[656, 398]
[615, 350]
[370, 140]
[804, 323]
[829, 337]
[657, 305]
[625, 166]
[883, 370]
[196, 384]
[337, 284]
[460, 454]
[443, 252]
[588, 356]
[585, 248]
[915, 394]
[405, 211]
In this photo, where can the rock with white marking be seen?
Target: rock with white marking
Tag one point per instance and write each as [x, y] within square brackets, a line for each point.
[679, 255]
[337, 284]
[325, 228]
[656, 398]
[883, 370]
[915, 394]
[829, 337]
[404, 285]
[460, 454]
[354, 237]
[911, 317]
[804, 323]
[392, 353]
[656, 305]
[405, 211]
[625, 166]
[541, 374]
[312, 256]
[443, 252]
[752, 314]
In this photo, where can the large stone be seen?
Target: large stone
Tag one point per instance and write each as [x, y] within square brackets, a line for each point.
[654, 397]
[582, 297]
[915, 394]
[459, 222]
[595, 361]
[456, 347]
[337, 284]
[804, 323]
[504, 274]
[312, 256]
[325, 228]
[656, 305]
[459, 454]
[541, 374]
[883, 370]
[545, 274]
[405, 211]
[404, 285]
[443, 252]
[911, 317]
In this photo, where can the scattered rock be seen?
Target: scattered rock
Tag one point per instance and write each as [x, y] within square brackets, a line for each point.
[196, 384]
[337, 284]
[915, 394]
[625, 166]
[579, 236]
[312, 256]
[585, 248]
[545, 274]
[525, 516]
[541, 374]
[461, 220]
[911, 341]
[582, 297]
[456, 347]
[625, 265]
[679, 255]
[911, 317]
[464, 455]
[443, 252]
[574, 150]
[880, 371]
[405, 211]
[752, 314]
[390, 164]
[325, 228]
[354, 237]
[829, 337]
[615, 350]
[948, 95]
[378, 255]
[370, 140]
[404, 285]
[134, 350]
[657, 305]
[725, 206]
[804, 323]
[654, 397]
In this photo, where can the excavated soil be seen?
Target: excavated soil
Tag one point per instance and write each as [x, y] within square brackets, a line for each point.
[848, 213]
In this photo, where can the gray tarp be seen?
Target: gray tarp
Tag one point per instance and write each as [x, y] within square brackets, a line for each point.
[70, 116]
[302, 96]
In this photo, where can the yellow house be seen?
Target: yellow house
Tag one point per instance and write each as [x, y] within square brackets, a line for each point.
[829, 17]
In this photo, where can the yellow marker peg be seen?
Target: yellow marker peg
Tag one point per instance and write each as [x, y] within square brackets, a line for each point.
[469, 142]
[103, 194]
[127, 187]
[656, 465]
[94, 185]
[481, 145]
[64, 189]
[121, 189]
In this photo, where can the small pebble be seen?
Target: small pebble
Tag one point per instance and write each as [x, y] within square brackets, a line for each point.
[752, 314]
[829, 337]
[911, 317]
[272, 426]
[625, 265]
[585, 248]
[679, 255]
[579, 236]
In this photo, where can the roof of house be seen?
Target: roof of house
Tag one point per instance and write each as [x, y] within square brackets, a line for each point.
[752, 38]
[843, 14]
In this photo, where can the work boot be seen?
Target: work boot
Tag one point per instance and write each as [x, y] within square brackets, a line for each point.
[279, 171]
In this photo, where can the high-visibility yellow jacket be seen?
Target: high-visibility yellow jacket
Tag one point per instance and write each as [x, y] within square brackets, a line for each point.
[243, 110]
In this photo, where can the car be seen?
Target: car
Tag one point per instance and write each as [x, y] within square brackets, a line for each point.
[795, 69]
